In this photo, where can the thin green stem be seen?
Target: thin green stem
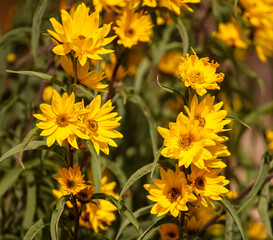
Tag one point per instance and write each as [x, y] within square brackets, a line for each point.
[77, 218]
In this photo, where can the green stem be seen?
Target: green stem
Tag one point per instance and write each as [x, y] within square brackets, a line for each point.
[75, 70]
[77, 218]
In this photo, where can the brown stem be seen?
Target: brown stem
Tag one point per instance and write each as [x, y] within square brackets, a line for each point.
[181, 219]
[111, 84]
[77, 218]
[70, 156]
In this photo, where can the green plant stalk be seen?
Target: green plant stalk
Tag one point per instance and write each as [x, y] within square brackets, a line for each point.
[77, 218]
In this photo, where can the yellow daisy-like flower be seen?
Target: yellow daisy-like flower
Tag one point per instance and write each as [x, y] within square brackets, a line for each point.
[269, 137]
[256, 231]
[133, 28]
[206, 115]
[47, 93]
[169, 63]
[109, 5]
[231, 34]
[171, 193]
[207, 185]
[175, 5]
[81, 34]
[169, 231]
[71, 180]
[90, 79]
[199, 74]
[99, 123]
[189, 143]
[60, 120]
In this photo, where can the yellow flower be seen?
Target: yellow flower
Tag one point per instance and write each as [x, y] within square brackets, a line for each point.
[149, 3]
[231, 34]
[60, 120]
[11, 57]
[206, 115]
[71, 180]
[231, 195]
[47, 93]
[109, 5]
[169, 231]
[189, 143]
[81, 34]
[256, 231]
[100, 122]
[90, 79]
[133, 28]
[109, 68]
[169, 63]
[207, 185]
[175, 5]
[95, 216]
[199, 74]
[171, 194]
[263, 40]
[269, 137]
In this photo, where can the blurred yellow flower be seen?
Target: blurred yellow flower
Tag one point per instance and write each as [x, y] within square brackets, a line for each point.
[80, 34]
[47, 93]
[231, 34]
[199, 74]
[60, 120]
[133, 28]
[171, 193]
[263, 40]
[71, 180]
[109, 5]
[169, 231]
[169, 63]
[99, 123]
[207, 185]
[256, 231]
[269, 137]
[175, 5]
[11, 57]
[90, 79]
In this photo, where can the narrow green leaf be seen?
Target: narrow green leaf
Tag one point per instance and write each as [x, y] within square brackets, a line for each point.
[31, 201]
[264, 201]
[82, 89]
[183, 34]
[147, 113]
[153, 227]
[229, 227]
[238, 120]
[95, 166]
[235, 6]
[36, 227]
[40, 75]
[32, 145]
[36, 23]
[139, 213]
[171, 90]
[229, 208]
[5, 105]
[54, 222]
[128, 214]
[142, 69]
[14, 34]
[158, 154]
[137, 175]
[32, 133]
[264, 168]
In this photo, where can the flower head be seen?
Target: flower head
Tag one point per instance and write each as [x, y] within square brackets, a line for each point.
[269, 137]
[47, 93]
[80, 34]
[263, 38]
[207, 185]
[99, 123]
[199, 74]
[109, 5]
[133, 28]
[71, 180]
[60, 120]
[90, 79]
[169, 63]
[256, 231]
[175, 5]
[169, 231]
[171, 193]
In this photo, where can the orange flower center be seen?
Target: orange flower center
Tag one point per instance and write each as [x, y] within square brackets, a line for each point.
[70, 183]
[62, 120]
[185, 142]
[196, 77]
[173, 194]
[201, 120]
[92, 125]
[199, 183]
[78, 40]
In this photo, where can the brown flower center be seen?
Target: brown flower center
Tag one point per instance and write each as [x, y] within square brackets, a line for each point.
[70, 183]
[92, 125]
[199, 183]
[196, 77]
[78, 40]
[62, 120]
[185, 142]
[171, 235]
[130, 32]
[201, 120]
[173, 194]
